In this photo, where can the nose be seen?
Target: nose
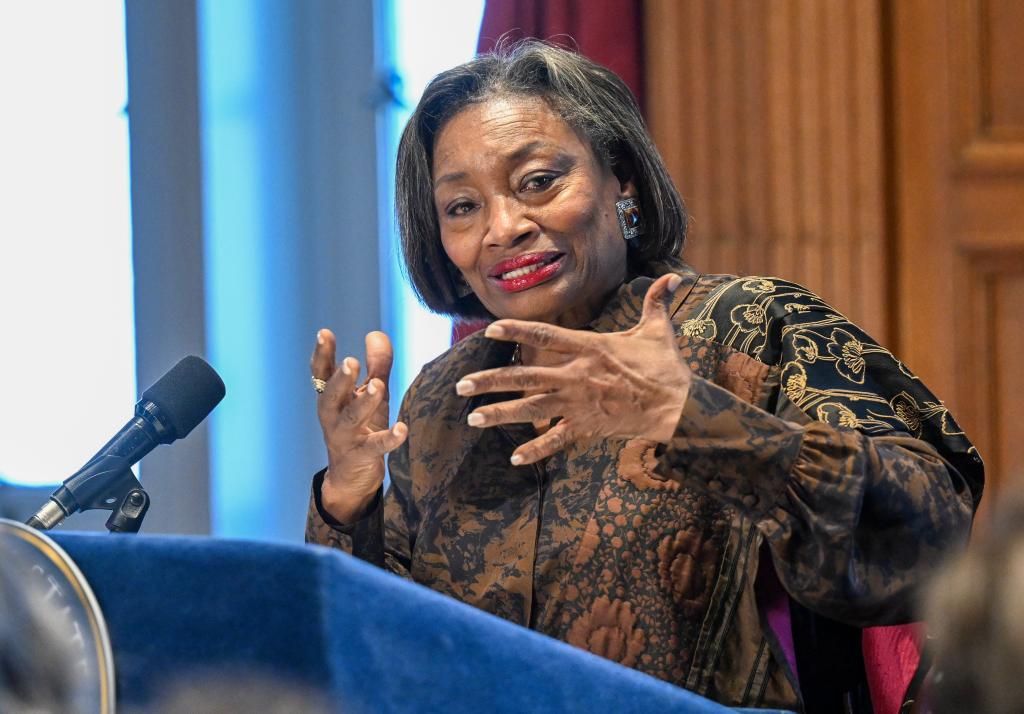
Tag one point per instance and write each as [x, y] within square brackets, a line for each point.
[508, 223]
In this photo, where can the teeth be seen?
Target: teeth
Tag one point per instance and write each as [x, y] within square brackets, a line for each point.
[520, 272]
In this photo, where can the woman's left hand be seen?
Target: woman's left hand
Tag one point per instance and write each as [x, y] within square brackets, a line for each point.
[620, 384]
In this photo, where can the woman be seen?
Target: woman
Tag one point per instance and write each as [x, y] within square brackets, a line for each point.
[604, 463]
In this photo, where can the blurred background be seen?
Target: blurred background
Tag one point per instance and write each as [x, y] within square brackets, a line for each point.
[215, 177]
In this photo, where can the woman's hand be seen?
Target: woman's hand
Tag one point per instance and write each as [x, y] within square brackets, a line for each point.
[355, 424]
[622, 384]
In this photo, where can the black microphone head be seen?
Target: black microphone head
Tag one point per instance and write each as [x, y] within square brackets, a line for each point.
[186, 394]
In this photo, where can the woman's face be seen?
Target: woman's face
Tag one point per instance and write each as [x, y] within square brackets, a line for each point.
[527, 212]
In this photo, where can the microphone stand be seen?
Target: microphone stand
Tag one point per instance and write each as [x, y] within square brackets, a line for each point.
[119, 492]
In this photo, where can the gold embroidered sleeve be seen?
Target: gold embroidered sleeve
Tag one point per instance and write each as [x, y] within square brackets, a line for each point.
[854, 522]
[858, 477]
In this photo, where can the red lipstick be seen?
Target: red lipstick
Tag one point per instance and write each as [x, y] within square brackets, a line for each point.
[525, 271]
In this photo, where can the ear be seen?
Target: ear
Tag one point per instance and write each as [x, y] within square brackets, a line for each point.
[622, 167]
[627, 189]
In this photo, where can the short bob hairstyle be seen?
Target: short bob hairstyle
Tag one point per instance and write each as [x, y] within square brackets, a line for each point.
[591, 99]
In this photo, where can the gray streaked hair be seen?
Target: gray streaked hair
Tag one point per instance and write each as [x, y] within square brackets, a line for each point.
[591, 99]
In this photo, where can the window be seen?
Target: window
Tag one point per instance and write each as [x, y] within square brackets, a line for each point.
[67, 338]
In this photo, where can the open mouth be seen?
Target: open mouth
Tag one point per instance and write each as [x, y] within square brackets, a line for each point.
[525, 271]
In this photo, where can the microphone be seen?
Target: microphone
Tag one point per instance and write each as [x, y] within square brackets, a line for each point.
[167, 411]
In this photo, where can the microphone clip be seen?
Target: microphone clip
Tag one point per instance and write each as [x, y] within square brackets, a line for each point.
[118, 491]
[127, 517]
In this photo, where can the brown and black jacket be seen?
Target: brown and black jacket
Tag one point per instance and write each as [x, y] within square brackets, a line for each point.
[801, 439]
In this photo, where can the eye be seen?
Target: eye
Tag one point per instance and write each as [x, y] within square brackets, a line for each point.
[459, 208]
[538, 182]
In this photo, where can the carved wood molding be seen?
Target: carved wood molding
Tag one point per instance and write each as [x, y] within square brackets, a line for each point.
[982, 142]
[991, 333]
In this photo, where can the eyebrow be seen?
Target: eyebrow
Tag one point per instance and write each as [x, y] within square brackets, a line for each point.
[517, 155]
[523, 151]
[457, 176]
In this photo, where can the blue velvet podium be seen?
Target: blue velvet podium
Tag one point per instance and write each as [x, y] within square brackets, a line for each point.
[366, 640]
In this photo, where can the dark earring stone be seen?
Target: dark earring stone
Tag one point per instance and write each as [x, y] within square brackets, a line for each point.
[628, 210]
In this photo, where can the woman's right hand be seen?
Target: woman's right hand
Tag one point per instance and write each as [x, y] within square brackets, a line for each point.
[354, 420]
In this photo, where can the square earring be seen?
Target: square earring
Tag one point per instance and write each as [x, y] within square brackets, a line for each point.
[628, 210]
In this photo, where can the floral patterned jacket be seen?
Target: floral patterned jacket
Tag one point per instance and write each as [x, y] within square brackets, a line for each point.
[800, 434]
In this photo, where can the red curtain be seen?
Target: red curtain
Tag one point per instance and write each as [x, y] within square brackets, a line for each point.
[607, 31]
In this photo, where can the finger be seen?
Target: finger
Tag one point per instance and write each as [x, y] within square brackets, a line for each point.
[537, 407]
[512, 379]
[539, 334]
[339, 387]
[363, 404]
[321, 364]
[379, 356]
[550, 442]
[658, 299]
[385, 441]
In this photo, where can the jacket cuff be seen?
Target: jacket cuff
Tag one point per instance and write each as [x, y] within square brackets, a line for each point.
[733, 450]
[363, 538]
[328, 519]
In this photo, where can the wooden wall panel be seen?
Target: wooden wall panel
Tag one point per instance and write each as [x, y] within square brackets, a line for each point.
[988, 84]
[769, 115]
[990, 405]
[1005, 453]
[1002, 25]
[873, 151]
[959, 204]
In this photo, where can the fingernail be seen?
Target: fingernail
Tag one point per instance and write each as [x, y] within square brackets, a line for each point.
[345, 368]
[464, 387]
[674, 282]
[494, 331]
[516, 459]
[371, 387]
[319, 337]
[475, 419]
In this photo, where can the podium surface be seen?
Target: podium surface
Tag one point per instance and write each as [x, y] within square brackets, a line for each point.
[364, 640]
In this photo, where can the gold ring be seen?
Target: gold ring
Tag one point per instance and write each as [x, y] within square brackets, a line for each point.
[319, 384]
